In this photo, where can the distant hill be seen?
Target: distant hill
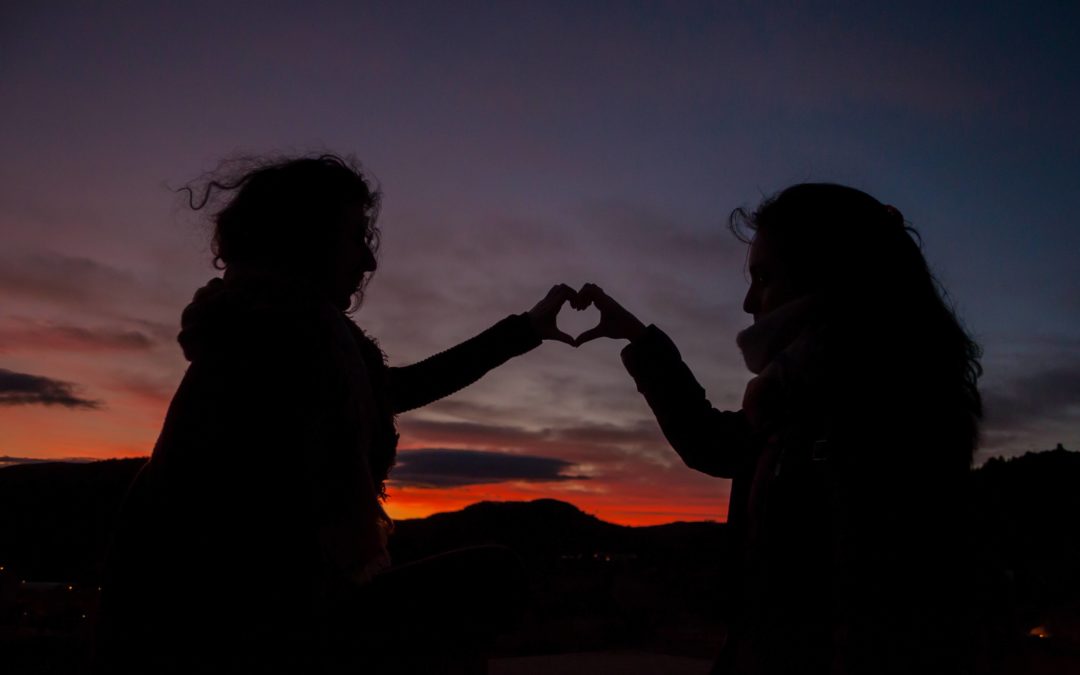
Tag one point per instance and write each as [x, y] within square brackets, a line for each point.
[547, 527]
[594, 584]
[55, 520]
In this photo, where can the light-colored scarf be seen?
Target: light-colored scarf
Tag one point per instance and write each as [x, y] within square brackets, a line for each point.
[776, 332]
[783, 349]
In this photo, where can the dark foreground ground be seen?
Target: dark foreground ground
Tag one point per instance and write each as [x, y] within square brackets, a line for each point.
[604, 598]
[61, 655]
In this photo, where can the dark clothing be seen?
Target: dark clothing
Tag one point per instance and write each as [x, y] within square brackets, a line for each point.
[437, 614]
[258, 510]
[846, 551]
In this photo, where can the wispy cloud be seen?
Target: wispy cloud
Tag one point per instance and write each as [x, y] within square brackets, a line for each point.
[61, 278]
[26, 389]
[634, 434]
[44, 335]
[444, 468]
[1033, 399]
[605, 448]
[474, 434]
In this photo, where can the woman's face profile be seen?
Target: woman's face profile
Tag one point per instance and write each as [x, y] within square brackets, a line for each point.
[353, 257]
[770, 284]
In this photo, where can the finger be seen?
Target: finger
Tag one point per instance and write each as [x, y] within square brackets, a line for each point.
[589, 294]
[551, 301]
[588, 336]
[564, 293]
[553, 294]
[580, 301]
[562, 337]
[591, 290]
[600, 298]
[559, 294]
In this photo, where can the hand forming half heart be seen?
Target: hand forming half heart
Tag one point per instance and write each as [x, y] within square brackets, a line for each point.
[578, 321]
[615, 321]
[543, 314]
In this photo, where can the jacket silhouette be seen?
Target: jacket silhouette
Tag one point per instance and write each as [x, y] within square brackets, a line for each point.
[848, 552]
[259, 508]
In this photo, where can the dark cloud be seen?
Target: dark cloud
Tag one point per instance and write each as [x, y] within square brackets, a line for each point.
[39, 336]
[61, 278]
[25, 389]
[444, 468]
[1029, 400]
[7, 460]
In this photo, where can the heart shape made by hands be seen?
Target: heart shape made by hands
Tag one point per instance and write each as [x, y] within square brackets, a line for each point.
[574, 322]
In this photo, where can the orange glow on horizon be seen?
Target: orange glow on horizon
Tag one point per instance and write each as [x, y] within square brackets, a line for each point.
[632, 497]
[620, 507]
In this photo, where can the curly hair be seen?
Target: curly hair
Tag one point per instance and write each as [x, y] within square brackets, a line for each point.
[866, 262]
[284, 211]
[287, 213]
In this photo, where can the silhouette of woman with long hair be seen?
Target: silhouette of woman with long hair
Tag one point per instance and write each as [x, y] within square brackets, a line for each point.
[850, 455]
[254, 539]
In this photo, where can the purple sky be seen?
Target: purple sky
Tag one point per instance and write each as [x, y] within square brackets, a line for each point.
[519, 145]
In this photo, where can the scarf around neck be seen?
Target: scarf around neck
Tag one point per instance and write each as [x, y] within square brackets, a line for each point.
[777, 331]
[222, 303]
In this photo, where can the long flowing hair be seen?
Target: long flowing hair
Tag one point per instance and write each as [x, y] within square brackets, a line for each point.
[894, 318]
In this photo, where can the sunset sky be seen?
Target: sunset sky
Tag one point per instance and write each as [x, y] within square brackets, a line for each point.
[520, 145]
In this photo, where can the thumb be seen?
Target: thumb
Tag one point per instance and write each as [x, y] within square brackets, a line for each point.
[560, 336]
[589, 336]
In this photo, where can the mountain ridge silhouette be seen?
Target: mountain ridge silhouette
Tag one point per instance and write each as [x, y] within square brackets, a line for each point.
[57, 518]
[595, 584]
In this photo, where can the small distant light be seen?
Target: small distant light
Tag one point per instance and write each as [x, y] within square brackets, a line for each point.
[1039, 632]
[71, 588]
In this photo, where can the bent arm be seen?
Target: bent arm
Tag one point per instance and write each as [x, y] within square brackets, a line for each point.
[708, 440]
[458, 367]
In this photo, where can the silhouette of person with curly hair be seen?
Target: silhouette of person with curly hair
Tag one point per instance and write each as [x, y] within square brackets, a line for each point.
[254, 539]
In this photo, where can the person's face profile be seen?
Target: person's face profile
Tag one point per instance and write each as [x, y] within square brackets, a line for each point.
[770, 284]
[353, 257]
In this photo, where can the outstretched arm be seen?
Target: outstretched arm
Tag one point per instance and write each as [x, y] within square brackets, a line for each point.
[458, 367]
[708, 440]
